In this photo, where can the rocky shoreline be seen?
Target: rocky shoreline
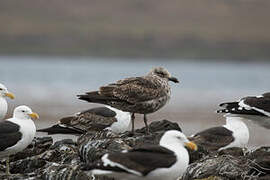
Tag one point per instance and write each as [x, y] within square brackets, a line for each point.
[63, 160]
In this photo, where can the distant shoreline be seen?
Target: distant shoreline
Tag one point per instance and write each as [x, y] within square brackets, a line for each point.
[123, 57]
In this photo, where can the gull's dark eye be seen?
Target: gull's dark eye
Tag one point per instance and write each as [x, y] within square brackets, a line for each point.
[1, 89]
[23, 111]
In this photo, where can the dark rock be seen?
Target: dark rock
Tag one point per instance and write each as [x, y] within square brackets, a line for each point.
[266, 177]
[63, 142]
[235, 151]
[93, 146]
[232, 163]
[38, 146]
[25, 176]
[54, 171]
[197, 155]
[64, 151]
[63, 159]
[261, 160]
[225, 166]
[163, 125]
[27, 165]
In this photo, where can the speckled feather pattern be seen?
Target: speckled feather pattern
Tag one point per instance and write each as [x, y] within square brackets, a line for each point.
[91, 122]
[139, 95]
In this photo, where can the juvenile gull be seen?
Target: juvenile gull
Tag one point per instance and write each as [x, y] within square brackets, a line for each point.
[168, 160]
[3, 103]
[142, 95]
[253, 108]
[95, 119]
[234, 133]
[17, 132]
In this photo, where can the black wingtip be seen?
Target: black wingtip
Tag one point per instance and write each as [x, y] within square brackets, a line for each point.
[80, 96]
[84, 97]
[223, 105]
[222, 111]
[56, 129]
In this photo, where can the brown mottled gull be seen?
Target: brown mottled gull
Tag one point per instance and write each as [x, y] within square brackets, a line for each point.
[142, 95]
[92, 120]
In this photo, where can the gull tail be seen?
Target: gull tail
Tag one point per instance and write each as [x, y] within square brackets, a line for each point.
[58, 129]
[229, 105]
[234, 108]
[96, 97]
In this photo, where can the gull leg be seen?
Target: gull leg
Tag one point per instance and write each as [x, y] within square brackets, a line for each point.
[146, 125]
[132, 122]
[7, 166]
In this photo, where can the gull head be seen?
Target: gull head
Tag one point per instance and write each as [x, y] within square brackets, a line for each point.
[24, 112]
[163, 73]
[175, 137]
[4, 92]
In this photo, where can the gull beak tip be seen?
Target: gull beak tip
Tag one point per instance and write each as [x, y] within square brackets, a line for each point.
[10, 95]
[34, 115]
[191, 145]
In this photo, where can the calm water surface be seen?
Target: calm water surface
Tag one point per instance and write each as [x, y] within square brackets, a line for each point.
[50, 84]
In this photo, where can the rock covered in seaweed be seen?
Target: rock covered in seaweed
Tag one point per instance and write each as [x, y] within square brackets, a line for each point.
[56, 171]
[232, 163]
[93, 145]
[43, 160]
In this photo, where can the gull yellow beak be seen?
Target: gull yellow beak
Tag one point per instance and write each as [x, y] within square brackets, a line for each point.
[10, 95]
[191, 145]
[34, 115]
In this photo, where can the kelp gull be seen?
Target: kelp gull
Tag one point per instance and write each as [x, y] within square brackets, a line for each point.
[17, 132]
[168, 160]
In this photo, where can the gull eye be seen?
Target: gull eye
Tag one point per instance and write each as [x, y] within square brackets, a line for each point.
[1, 89]
[23, 111]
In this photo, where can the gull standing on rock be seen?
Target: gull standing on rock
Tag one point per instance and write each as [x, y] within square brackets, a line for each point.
[166, 161]
[3, 103]
[17, 132]
[142, 95]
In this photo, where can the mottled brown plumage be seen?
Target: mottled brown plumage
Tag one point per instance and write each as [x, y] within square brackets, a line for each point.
[89, 121]
[142, 95]
[95, 119]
